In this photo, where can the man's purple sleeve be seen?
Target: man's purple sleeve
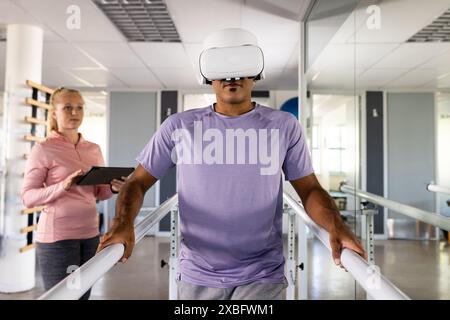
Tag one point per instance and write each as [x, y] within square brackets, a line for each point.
[156, 155]
[297, 163]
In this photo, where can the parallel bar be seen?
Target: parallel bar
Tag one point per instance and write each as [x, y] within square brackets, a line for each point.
[31, 210]
[28, 247]
[439, 189]
[40, 87]
[419, 214]
[28, 229]
[32, 120]
[80, 281]
[149, 221]
[370, 278]
[33, 138]
[39, 104]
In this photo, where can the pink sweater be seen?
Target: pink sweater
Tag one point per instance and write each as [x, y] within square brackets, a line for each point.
[67, 214]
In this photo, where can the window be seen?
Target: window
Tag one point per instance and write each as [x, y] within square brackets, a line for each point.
[315, 149]
[193, 101]
[335, 149]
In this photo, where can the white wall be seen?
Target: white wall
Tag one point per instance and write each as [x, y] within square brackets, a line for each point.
[1, 107]
[93, 129]
[443, 149]
[411, 161]
[197, 100]
[334, 118]
[132, 117]
[1, 121]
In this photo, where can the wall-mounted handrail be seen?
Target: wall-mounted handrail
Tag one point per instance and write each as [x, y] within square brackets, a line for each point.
[416, 213]
[39, 87]
[81, 280]
[439, 189]
[376, 285]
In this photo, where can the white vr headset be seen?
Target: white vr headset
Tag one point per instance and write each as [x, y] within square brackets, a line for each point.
[231, 54]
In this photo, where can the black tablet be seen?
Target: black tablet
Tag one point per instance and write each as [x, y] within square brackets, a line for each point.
[103, 175]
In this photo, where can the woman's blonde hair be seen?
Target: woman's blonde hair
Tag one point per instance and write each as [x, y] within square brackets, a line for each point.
[58, 93]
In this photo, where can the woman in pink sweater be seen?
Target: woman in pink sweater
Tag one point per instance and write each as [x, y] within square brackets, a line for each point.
[68, 233]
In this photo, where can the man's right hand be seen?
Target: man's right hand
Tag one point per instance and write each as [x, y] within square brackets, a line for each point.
[127, 208]
[120, 232]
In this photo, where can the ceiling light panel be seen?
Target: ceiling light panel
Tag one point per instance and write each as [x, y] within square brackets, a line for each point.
[437, 31]
[141, 20]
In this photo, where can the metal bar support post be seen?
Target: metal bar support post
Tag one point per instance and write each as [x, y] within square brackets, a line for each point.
[173, 260]
[291, 263]
[302, 259]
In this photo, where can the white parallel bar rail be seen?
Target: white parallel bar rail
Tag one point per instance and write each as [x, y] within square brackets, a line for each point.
[438, 189]
[82, 279]
[419, 214]
[369, 277]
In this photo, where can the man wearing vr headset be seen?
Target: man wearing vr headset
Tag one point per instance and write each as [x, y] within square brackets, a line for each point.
[230, 157]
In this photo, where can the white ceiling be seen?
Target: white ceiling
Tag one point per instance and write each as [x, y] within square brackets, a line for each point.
[358, 57]
[98, 55]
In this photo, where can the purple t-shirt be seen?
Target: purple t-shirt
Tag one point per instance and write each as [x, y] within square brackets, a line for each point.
[229, 183]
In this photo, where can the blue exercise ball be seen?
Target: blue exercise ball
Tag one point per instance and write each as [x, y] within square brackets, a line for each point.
[291, 106]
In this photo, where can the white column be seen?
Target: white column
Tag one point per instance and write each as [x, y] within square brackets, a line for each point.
[24, 44]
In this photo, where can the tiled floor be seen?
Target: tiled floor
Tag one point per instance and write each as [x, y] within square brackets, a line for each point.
[421, 269]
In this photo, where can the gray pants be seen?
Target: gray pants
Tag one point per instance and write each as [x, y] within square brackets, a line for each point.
[251, 291]
[58, 259]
